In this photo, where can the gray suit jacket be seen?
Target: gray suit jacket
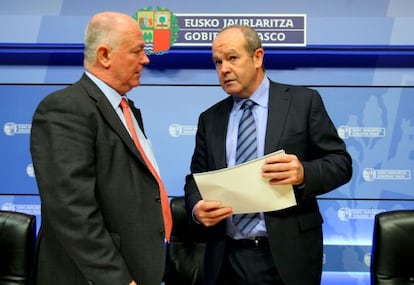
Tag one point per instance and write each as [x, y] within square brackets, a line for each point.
[101, 213]
[299, 124]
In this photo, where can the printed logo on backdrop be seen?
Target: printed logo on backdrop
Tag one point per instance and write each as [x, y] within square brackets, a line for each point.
[371, 174]
[163, 29]
[31, 209]
[367, 259]
[346, 132]
[11, 129]
[346, 214]
[30, 170]
[177, 130]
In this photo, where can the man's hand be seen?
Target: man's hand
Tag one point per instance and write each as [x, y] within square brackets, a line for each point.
[283, 169]
[209, 213]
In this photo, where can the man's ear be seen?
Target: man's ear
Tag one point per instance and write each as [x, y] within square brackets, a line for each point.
[258, 57]
[103, 54]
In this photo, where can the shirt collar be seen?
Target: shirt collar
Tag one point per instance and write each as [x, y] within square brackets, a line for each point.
[111, 94]
[260, 96]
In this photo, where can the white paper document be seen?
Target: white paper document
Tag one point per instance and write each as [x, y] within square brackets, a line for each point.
[243, 188]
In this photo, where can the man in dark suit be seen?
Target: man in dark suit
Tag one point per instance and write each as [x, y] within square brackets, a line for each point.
[285, 246]
[102, 219]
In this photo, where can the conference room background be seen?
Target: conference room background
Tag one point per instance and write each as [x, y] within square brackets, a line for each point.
[358, 54]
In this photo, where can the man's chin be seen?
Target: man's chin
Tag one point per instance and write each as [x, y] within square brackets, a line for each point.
[230, 89]
[135, 83]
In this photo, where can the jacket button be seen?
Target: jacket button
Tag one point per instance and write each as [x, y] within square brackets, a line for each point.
[158, 199]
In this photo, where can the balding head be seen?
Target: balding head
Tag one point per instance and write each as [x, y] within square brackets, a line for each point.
[105, 28]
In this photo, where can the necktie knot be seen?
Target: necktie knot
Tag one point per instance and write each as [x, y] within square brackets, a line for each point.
[246, 137]
[248, 104]
[124, 104]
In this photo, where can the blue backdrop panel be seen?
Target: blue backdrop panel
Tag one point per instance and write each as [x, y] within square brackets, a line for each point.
[18, 103]
[345, 278]
[375, 122]
[377, 125]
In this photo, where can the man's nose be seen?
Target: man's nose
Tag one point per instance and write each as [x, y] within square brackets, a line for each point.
[145, 59]
[225, 66]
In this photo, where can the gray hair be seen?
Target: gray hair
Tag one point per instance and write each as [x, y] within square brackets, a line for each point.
[99, 32]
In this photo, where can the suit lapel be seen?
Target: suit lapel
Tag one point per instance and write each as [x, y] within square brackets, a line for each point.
[137, 114]
[109, 115]
[218, 138]
[279, 101]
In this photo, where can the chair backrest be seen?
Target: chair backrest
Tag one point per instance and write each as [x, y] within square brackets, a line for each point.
[186, 250]
[392, 261]
[17, 247]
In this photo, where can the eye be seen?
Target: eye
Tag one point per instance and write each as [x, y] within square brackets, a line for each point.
[217, 62]
[233, 58]
[138, 49]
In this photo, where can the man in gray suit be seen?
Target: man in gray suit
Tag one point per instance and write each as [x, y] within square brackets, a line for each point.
[282, 247]
[102, 220]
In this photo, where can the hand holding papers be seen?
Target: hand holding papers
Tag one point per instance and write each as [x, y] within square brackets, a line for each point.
[243, 188]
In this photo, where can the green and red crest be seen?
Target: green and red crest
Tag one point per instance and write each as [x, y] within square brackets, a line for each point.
[159, 28]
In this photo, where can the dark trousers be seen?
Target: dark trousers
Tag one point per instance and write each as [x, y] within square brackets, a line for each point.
[248, 262]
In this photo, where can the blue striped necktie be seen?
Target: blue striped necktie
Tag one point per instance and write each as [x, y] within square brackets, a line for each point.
[246, 150]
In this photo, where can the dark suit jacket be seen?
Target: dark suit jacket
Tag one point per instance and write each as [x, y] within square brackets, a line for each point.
[299, 124]
[101, 213]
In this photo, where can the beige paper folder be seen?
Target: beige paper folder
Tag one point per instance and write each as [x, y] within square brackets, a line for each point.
[243, 188]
